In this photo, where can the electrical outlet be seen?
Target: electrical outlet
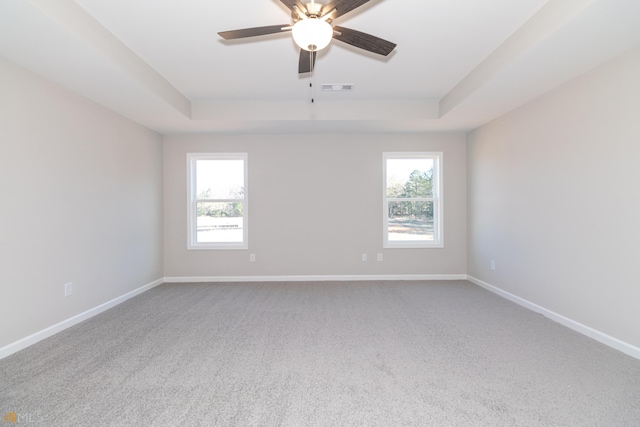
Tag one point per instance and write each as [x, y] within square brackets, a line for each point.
[68, 289]
[364, 257]
[379, 257]
[492, 264]
[252, 257]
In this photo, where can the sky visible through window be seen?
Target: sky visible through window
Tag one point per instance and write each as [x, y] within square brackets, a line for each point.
[223, 177]
[398, 170]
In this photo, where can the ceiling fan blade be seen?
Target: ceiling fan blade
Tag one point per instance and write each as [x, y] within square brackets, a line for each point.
[252, 32]
[307, 61]
[291, 3]
[363, 40]
[343, 6]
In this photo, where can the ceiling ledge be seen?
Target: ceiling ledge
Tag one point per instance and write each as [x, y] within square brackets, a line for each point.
[74, 18]
[321, 109]
[549, 19]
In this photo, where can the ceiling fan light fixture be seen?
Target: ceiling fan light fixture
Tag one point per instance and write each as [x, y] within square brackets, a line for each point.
[312, 34]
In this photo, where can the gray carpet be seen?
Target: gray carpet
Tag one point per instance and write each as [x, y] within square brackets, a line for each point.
[321, 354]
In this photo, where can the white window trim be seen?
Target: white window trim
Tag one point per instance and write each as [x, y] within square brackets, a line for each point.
[438, 230]
[192, 243]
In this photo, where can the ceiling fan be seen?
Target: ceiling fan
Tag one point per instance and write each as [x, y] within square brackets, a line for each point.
[312, 30]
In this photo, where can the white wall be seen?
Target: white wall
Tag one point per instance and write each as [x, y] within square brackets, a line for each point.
[554, 199]
[315, 205]
[81, 202]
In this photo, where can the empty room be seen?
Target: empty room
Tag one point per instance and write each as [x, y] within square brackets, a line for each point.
[324, 213]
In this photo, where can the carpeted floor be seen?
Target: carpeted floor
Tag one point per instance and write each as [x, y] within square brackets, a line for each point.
[320, 354]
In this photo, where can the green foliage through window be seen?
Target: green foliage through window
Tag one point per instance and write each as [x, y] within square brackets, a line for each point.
[419, 185]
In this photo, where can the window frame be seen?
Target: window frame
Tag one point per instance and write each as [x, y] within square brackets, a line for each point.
[192, 201]
[437, 199]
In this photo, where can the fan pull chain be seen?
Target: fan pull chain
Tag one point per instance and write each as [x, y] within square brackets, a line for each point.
[312, 74]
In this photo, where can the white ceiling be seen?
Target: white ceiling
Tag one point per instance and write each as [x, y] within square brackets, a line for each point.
[458, 63]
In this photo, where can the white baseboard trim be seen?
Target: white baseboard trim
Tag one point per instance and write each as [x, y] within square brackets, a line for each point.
[58, 327]
[319, 278]
[601, 337]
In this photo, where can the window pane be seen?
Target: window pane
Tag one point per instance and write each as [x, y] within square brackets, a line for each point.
[220, 179]
[409, 178]
[410, 221]
[219, 222]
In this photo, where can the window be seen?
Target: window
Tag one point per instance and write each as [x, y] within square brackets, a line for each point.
[412, 200]
[217, 201]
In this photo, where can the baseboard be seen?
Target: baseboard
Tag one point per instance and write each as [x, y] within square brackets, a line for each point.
[58, 327]
[319, 278]
[608, 340]
[601, 337]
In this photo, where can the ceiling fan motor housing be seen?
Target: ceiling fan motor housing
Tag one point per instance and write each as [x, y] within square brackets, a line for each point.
[314, 9]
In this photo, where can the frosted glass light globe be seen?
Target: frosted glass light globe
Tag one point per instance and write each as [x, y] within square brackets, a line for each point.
[312, 34]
